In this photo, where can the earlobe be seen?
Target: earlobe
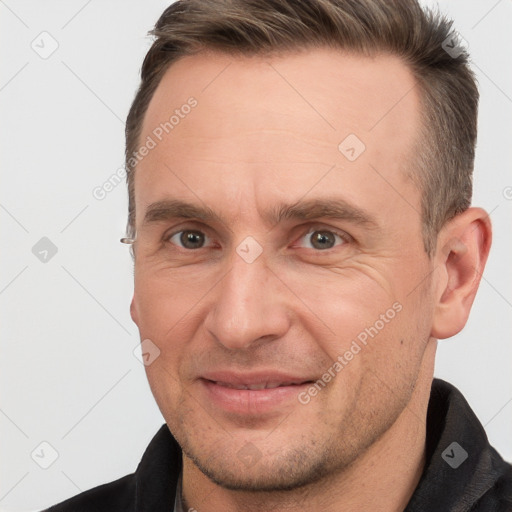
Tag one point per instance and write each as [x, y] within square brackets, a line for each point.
[463, 248]
[133, 311]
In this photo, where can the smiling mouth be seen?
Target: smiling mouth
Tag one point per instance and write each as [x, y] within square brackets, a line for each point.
[254, 395]
[259, 386]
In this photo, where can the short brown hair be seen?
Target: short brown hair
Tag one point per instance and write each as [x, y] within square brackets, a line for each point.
[449, 95]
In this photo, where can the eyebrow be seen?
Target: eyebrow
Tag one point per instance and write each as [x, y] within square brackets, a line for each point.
[333, 208]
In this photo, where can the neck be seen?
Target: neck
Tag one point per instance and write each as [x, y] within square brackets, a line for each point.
[382, 478]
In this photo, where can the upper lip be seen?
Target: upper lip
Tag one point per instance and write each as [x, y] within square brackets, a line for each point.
[255, 380]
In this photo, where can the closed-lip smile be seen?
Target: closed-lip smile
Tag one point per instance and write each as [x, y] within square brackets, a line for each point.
[256, 392]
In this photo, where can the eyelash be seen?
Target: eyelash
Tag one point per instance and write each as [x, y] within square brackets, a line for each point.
[344, 236]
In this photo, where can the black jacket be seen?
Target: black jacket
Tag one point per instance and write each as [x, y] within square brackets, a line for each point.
[463, 472]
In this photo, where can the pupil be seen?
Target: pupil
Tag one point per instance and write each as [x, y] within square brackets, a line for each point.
[322, 238]
[191, 239]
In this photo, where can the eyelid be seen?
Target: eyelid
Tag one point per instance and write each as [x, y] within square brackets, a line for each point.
[325, 227]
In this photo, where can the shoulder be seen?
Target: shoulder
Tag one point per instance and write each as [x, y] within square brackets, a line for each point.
[118, 495]
[499, 497]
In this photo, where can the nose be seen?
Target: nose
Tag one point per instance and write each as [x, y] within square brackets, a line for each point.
[248, 305]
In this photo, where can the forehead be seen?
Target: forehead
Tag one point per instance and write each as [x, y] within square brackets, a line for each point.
[273, 127]
[330, 88]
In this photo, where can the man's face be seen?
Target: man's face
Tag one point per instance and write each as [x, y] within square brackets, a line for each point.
[249, 299]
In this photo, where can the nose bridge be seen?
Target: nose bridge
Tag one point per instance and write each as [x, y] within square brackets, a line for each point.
[248, 304]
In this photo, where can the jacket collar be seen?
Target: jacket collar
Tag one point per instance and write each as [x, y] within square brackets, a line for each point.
[461, 465]
[157, 474]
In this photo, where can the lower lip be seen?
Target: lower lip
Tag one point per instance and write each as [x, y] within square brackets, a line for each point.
[251, 401]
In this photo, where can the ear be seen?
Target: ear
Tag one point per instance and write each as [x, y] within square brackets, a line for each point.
[133, 311]
[462, 249]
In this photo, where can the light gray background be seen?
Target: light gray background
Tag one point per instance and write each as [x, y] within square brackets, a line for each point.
[68, 373]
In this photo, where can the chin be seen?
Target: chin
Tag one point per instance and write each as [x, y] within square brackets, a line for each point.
[292, 470]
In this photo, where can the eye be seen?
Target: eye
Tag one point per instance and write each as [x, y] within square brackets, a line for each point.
[188, 239]
[324, 239]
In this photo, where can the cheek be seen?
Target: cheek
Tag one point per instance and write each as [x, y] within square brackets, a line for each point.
[371, 318]
[165, 303]
[164, 319]
[348, 303]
